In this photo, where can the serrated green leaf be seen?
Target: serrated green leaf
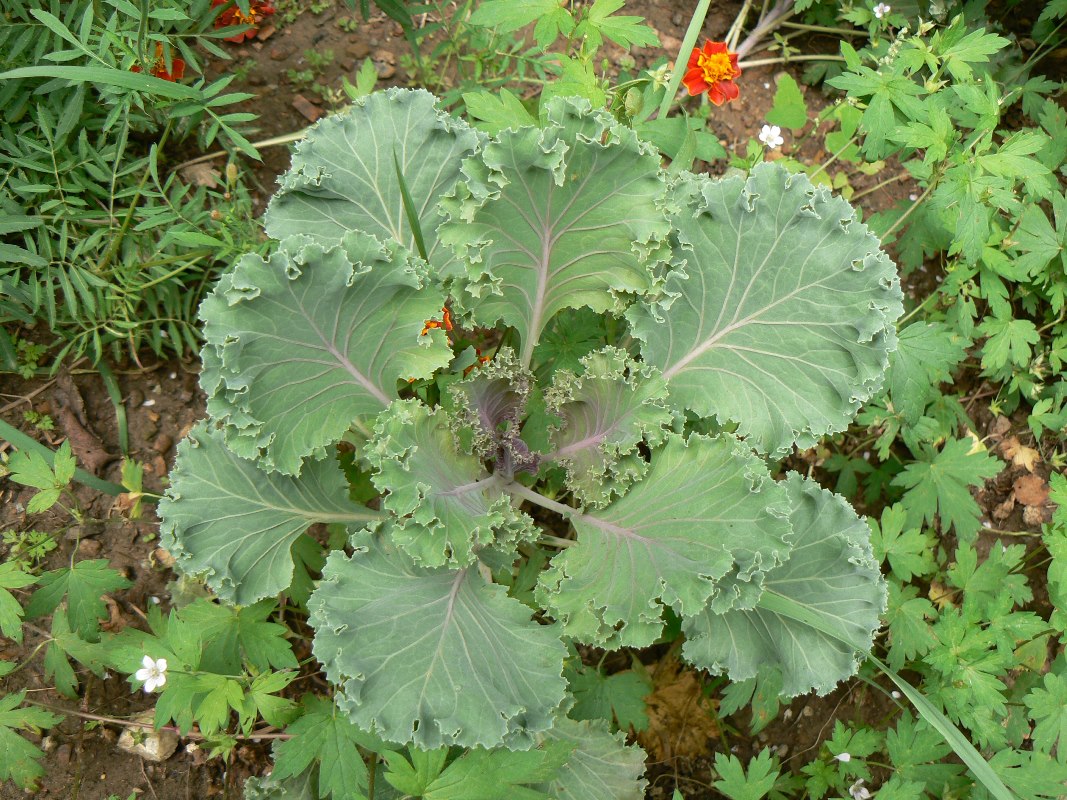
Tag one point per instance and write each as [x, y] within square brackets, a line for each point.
[926, 353]
[309, 332]
[18, 758]
[601, 22]
[82, 584]
[447, 506]
[706, 508]
[232, 635]
[789, 109]
[497, 111]
[737, 783]
[1039, 241]
[11, 613]
[601, 767]
[1048, 708]
[343, 178]
[915, 751]
[610, 407]
[558, 217]
[510, 15]
[818, 612]
[490, 774]
[783, 320]
[910, 553]
[323, 739]
[619, 696]
[438, 657]
[227, 519]
[940, 486]
[910, 634]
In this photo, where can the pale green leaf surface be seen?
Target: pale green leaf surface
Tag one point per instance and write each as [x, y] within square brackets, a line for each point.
[785, 309]
[818, 612]
[704, 509]
[434, 657]
[18, 758]
[11, 577]
[610, 407]
[491, 774]
[82, 584]
[602, 766]
[313, 340]
[561, 217]
[447, 506]
[926, 353]
[789, 109]
[227, 519]
[343, 176]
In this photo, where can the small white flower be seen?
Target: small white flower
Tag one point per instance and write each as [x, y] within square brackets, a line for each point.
[858, 791]
[881, 10]
[153, 673]
[895, 694]
[844, 757]
[771, 135]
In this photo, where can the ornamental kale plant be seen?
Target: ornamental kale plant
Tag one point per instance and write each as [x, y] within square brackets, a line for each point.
[529, 344]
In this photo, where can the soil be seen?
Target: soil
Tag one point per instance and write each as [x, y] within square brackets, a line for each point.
[163, 400]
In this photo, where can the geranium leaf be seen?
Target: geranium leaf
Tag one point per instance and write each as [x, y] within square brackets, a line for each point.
[818, 611]
[225, 518]
[447, 505]
[564, 216]
[602, 766]
[704, 508]
[311, 332]
[607, 410]
[343, 175]
[783, 319]
[433, 657]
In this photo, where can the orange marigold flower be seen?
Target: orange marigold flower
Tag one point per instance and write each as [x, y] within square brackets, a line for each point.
[712, 70]
[232, 15]
[159, 67]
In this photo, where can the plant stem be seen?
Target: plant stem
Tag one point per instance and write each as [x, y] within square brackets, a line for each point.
[915, 204]
[761, 62]
[540, 500]
[555, 541]
[834, 157]
[822, 29]
[876, 187]
[688, 43]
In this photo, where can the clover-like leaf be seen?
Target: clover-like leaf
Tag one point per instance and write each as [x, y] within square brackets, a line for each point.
[705, 507]
[447, 506]
[601, 767]
[783, 319]
[607, 410]
[434, 657]
[344, 176]
[313, 340]
[818, 611]
[225, 518]
[564, 216]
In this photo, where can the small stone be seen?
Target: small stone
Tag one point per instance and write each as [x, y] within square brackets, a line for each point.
[348, 64]
[256, 79]
[676, 20]
[63, 755]
[89, 548]
[280, 53]
[163, 557]
[265, 32]
[386, 71]
[135, 398]
[358, 50]
[307, 109]
[148, 743]
[163, 444]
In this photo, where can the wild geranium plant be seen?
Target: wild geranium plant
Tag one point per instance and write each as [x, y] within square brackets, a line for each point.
[650, 345]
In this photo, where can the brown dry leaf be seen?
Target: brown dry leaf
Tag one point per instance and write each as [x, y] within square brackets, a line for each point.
[681, 719]
[940, 595]
[1035, 516]
[307, 109]
[1000, 426]
[202, 174]
[1030, 490]
[1003, 510]
[1020, 455]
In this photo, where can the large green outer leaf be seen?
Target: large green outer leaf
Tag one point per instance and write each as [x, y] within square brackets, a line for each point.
[225, 518]
[344, 177]
[818, 612]
[561, 217]
[609, 409]
[602, 766]
[785, 311]
[448, 507]
[314, 339]
[705, 508]
[434, 657]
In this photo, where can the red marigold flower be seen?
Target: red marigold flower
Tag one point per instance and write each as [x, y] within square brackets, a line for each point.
[712, 70]
[159, 67]
[232, 15]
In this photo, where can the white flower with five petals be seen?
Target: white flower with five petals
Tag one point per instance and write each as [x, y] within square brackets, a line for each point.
[153, 673]
[881, 10]
[771, 135]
